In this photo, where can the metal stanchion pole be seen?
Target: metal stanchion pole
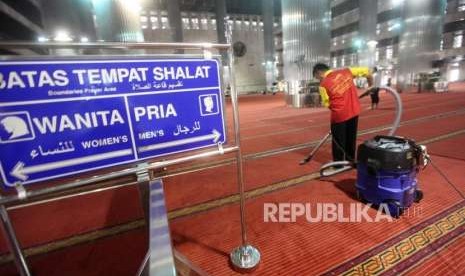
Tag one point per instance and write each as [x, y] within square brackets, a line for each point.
[159, 258]
[246, 257]
[143, 180]
[160, 247]
[13, 243]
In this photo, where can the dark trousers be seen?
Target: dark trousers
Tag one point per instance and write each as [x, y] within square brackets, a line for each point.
[375, 96]
[344, 139]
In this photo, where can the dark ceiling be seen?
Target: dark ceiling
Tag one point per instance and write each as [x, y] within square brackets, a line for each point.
[250, 6]
[232, 6]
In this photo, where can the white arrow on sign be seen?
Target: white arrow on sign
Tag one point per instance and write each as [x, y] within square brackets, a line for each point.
[215, 136]
[21, 172]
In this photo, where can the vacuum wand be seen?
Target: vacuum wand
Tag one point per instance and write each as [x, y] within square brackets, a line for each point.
[310, 156]
[322, 141]
[392, 131]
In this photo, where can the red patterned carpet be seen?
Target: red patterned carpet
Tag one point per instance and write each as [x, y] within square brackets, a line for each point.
[448, 260]
[103, 233]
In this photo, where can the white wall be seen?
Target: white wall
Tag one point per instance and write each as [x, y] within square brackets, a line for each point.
[250, 70]
[250, 73]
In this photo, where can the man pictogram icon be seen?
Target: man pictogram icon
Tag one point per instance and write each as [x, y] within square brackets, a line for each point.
[208, 103]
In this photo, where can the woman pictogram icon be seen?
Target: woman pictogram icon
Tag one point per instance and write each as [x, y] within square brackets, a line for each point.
[14, 126]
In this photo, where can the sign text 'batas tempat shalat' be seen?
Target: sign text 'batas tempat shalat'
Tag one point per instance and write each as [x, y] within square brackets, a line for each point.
[59, 118]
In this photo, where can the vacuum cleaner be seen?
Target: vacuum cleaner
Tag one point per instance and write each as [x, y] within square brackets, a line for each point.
[387, 167]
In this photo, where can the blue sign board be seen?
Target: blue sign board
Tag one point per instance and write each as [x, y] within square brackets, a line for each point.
[59, 118]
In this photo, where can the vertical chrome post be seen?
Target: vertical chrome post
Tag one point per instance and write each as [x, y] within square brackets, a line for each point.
[159, 258]
[161, 252]
[244, 258]
[143, 182]
[13, 243]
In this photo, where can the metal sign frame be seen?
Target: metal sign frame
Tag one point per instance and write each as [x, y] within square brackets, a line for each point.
[137, 155]
[244, 258]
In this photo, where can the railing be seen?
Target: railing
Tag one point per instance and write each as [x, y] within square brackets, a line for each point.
[243, 258]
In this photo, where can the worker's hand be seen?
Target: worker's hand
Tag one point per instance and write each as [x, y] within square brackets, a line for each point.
[367, 92]
[364, 94]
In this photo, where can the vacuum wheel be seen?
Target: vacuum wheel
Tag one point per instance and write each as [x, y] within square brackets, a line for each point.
[418, 196]
[395, 209]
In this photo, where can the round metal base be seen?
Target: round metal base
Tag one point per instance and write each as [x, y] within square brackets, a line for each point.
[245, 259]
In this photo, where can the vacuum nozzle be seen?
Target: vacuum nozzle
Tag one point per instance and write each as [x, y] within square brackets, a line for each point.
[306, 160]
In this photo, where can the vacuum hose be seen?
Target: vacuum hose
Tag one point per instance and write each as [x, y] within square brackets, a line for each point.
[399, 109]
[342, 166]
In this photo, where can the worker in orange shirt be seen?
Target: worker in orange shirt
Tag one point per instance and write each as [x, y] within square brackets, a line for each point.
[338, 92]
